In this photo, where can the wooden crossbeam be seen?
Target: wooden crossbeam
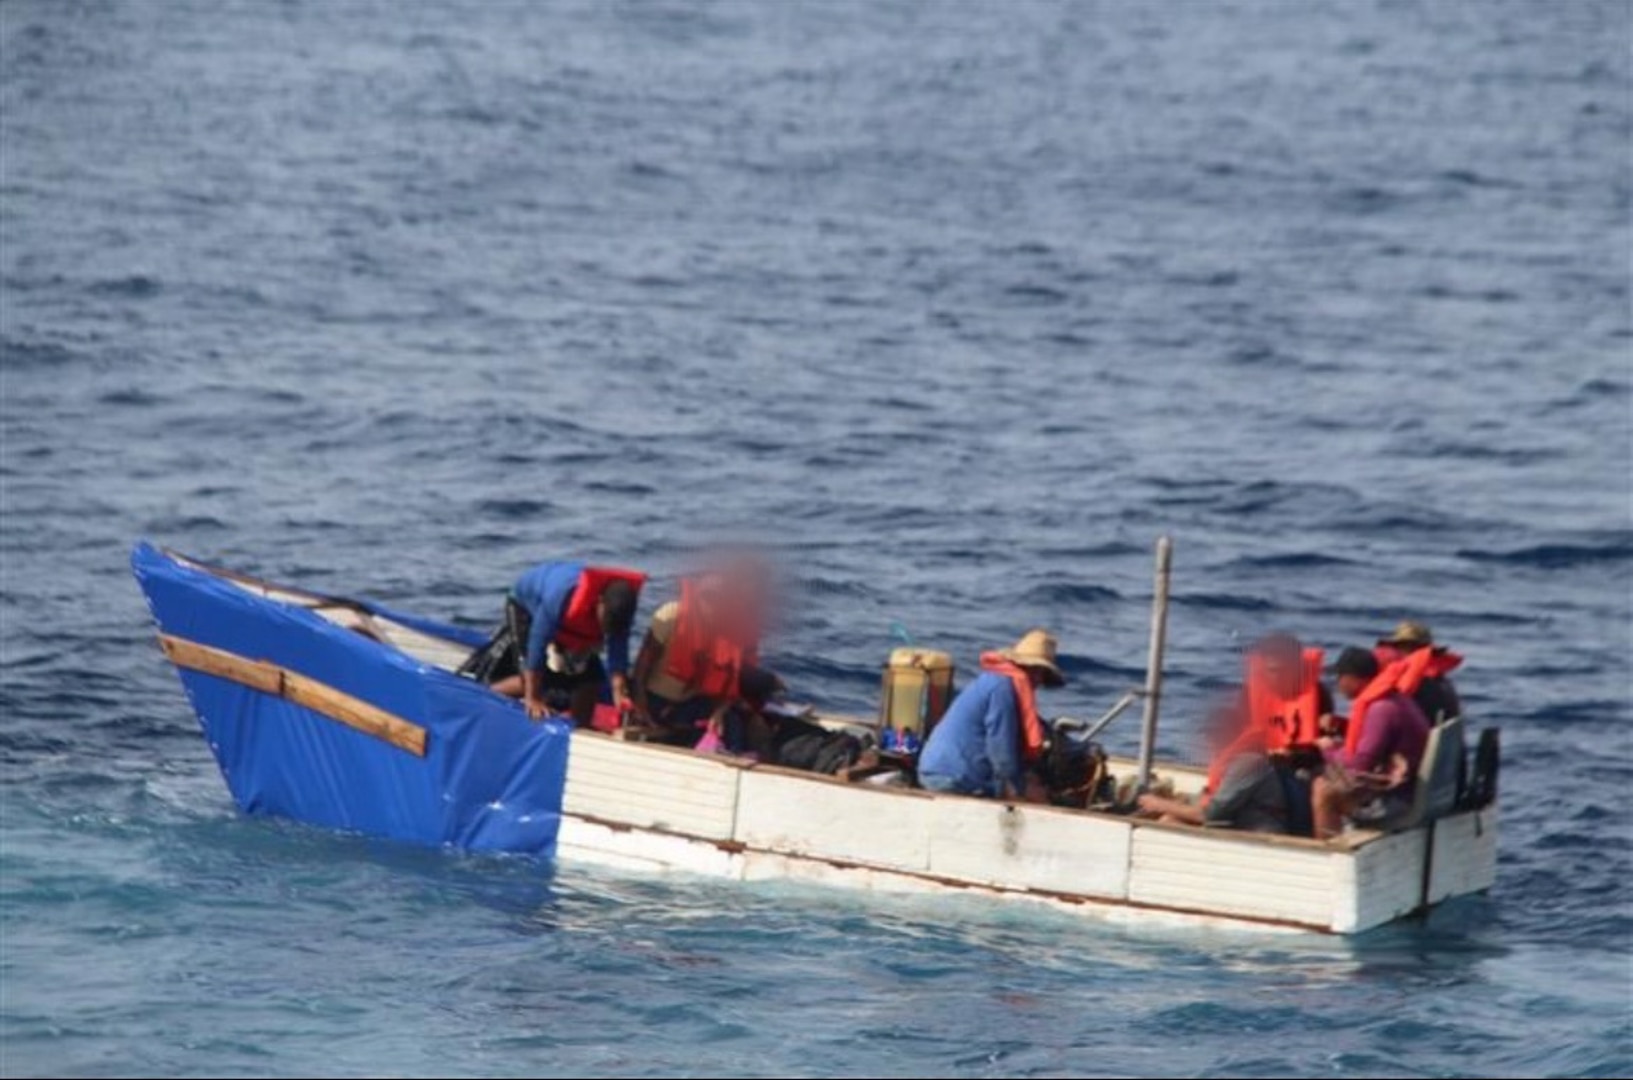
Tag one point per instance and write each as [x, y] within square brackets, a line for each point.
[292, 686]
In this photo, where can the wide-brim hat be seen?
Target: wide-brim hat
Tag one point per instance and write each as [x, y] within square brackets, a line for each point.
[1038, 650]
[1410, 633]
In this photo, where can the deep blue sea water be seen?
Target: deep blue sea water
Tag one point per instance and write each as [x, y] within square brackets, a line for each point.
[957, 304]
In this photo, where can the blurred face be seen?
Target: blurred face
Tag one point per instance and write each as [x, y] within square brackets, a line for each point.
[1351, 686]
[709, 606]
[1282, 669]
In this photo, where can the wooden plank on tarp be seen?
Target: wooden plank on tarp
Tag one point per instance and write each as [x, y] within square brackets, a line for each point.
[292, 686]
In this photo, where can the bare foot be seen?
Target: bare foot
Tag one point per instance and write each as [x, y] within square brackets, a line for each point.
[868, 759]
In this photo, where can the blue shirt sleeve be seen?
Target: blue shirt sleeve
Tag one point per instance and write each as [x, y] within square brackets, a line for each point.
[618, 654]
[1002, 725]
[539, 633]
[544, 591]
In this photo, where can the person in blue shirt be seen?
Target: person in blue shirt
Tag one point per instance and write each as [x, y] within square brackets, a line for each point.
[559, 618]
[990, 736]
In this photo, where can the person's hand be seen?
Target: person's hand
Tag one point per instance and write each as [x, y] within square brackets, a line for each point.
[1150, 804]
[535, 709]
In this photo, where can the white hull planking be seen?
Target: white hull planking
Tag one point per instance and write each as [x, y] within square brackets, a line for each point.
[650, 808]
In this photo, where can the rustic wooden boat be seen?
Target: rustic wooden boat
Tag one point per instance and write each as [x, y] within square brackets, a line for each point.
[348, 715]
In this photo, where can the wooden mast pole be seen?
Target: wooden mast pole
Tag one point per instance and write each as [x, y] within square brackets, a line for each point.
[1153, 663]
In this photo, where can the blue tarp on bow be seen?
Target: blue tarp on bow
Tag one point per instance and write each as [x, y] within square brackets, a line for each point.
[490, 780]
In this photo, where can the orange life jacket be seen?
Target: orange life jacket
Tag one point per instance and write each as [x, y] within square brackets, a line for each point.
[1031, 733]
[1442, 661]
[1290, 722]
[580, 627]
[1404, 675]
[709, 663]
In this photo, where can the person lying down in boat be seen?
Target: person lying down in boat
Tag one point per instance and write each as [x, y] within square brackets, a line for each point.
[775, 737]
[1245, 791]
[991, 735]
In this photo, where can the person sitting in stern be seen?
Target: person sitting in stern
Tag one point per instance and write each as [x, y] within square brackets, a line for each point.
[1372, 770]
[991, 734]
[1435, 693]
[1244, 789]
[560, 618]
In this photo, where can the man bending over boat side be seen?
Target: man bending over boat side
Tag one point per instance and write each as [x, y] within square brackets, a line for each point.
[1245, 790]
[991, 734]
[559, 618]
[1372, 771]
[698, 668]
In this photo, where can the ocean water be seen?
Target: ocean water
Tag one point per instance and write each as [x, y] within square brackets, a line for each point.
[958, 306]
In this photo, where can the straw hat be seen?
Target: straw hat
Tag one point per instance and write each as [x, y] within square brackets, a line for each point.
[1409, 633]
[1037, 649]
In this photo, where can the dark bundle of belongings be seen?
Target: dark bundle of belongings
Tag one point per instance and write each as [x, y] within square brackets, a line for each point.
[796, 743]
[779, 738]
[1074, 772]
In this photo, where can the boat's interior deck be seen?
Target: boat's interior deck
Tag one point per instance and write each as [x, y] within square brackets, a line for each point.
[427, 648]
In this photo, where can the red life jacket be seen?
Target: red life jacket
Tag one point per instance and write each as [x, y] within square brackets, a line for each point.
[1403, 675]
[1031, 733]
[710, 664]
[580, 627]
[1442, 661]
[1291, 722]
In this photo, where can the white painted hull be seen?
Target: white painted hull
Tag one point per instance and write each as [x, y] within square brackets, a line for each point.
[655, 809]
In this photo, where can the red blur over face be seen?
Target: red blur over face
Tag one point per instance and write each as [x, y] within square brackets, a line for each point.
[1283, 672]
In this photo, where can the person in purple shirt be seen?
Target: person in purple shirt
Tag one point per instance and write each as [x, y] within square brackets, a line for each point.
[1373, 782]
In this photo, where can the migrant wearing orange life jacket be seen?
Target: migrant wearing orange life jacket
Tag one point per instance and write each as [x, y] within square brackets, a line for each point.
[1286, 723]
[1435, 693]
[1404, 675]
[708, 661]
[580, 627]
[1031, 728]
